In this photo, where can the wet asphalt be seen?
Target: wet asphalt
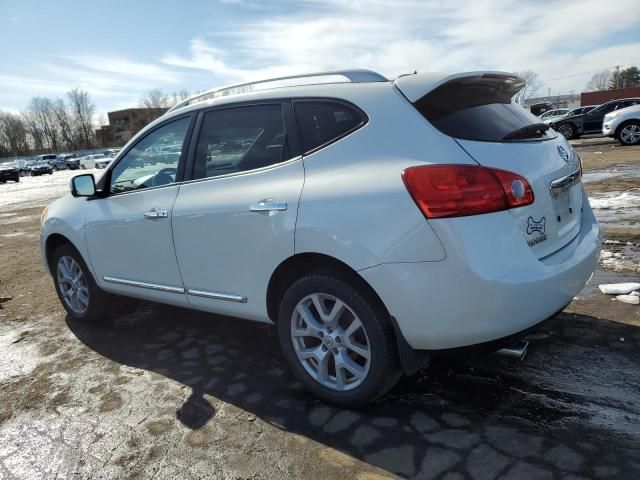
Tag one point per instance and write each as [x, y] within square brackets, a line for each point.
[162, 392]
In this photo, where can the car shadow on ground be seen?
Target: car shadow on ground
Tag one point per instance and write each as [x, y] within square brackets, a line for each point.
[481, 413]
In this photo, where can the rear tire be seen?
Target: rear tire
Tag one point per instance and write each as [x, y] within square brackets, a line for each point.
[78, 292]
[629, 133]
[345, 355]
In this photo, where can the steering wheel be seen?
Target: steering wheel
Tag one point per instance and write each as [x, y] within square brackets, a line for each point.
[164, 176]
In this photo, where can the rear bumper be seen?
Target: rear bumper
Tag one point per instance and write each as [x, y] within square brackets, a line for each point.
[489, 287]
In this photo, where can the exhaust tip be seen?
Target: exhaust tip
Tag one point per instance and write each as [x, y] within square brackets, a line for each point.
[518, 351]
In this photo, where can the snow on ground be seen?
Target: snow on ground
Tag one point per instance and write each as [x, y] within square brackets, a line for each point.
[613, 200]
[38, 191]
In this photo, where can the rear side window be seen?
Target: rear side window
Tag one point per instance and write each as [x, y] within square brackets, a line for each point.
[477, 108]
[240, 139]
[322, 122]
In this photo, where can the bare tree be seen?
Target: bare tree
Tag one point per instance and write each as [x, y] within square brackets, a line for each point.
[532, 85]
[155, 99]
[13, 134]
[599, 81]
[42, 111]
[180, 96]
[65, 124]
[82, 110]
[35, 132]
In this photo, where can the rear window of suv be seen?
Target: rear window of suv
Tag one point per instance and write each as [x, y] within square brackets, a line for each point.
[322, 122]
[477, 108]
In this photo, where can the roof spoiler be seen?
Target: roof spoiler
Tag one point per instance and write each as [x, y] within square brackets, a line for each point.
[414, 87]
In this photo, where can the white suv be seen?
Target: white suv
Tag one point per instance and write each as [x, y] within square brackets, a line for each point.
[373, 221]
[623, 124]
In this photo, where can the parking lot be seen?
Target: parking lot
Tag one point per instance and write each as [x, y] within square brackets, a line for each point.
[160, 392]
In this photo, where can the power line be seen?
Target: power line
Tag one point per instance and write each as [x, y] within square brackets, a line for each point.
[588, 73]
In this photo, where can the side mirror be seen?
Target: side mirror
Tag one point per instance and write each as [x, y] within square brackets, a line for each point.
[83, 185]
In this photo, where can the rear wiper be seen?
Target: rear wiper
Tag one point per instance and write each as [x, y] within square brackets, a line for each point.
[528, 131]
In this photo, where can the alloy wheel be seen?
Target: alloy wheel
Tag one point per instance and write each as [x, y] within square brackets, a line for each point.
[630, 134]
[330, 342]
[566, 131]
[73, 285]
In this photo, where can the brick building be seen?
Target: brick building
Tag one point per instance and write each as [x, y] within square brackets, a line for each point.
[597, 98]
[124, 124]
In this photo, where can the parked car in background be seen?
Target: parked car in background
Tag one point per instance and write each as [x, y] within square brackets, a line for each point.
[23, 165]
[581, 110]
[97, 160]
[62, 161]
[48, 157]
[623, 125]
[539, 108]
[9, 171]
[283, 224]
[554, 115]
[590, 122]
[111, 152]
[39, 168]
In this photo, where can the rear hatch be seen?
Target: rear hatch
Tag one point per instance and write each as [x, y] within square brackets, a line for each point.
[477, 110]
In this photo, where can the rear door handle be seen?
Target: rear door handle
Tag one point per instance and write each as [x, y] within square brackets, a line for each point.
[268, 205]
[155, 213]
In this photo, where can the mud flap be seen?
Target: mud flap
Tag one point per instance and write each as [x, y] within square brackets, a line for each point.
[410, 360]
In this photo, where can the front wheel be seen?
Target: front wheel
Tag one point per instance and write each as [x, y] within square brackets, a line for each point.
[79, 294]
[567, 130]
[337, 341]
[629, 133]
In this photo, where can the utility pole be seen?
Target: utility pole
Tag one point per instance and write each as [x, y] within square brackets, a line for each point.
[617, 76]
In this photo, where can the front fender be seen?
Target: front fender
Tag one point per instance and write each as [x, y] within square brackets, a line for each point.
[65, 217]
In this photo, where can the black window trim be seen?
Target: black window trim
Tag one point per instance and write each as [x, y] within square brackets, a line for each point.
[105, 182]
[364, 119]
[292, 139]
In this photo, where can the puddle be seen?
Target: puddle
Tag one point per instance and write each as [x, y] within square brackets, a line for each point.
[620, 256]
[627, 171]
[616, 208]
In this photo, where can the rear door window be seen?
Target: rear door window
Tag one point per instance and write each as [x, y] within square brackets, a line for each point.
[323, 122]
[479, 109]
[239, 139]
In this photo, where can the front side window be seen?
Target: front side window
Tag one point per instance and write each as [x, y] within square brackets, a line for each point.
[321, 122]
[153, 161]
[241, 139]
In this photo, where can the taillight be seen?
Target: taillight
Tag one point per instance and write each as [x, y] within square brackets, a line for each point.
[442, 191]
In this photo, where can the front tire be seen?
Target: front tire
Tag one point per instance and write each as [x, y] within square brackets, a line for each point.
[337, 341]
[567, 130]
[629, 133]
[78, 292]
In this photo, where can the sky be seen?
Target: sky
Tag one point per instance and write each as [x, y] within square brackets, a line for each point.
[118, 50]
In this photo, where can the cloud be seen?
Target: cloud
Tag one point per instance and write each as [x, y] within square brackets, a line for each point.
[107, 78]
[554, 39]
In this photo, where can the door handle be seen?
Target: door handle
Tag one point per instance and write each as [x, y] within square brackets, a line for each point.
[268, 205]
[155, 213]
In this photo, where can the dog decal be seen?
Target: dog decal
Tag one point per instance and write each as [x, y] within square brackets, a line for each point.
[536, 226]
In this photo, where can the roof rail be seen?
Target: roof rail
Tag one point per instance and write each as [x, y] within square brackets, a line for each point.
[354, 76]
